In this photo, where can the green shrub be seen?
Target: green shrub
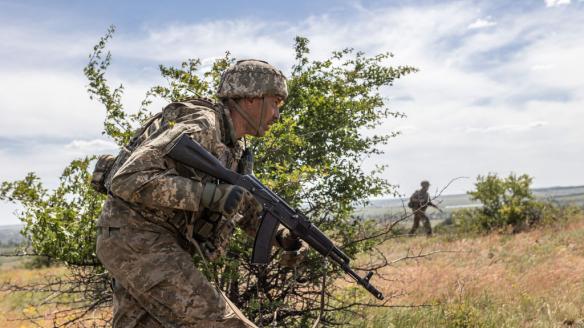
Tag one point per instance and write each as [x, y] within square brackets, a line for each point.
[39, 262]
[463, 315]
[508, 203]
[553, 213]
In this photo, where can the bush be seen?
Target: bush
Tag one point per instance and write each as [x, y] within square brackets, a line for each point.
[508, 203]
[463, 315]
[467, 221]
[38, 262]
[554, 213]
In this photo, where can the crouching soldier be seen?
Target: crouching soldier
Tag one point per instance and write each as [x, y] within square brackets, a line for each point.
[159, 213]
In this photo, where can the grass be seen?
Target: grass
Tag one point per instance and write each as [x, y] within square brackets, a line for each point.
[532, 279]
[15, 306]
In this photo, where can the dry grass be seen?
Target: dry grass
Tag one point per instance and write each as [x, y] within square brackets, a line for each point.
[532, 279]
[15, 306]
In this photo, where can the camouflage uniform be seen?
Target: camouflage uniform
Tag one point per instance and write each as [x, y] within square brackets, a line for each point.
[145, 227]
[420, 200]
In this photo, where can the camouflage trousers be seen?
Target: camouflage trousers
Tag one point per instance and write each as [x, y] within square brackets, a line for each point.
[421, 216]
[157, 284]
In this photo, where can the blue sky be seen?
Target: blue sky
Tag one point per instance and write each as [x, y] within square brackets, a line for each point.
[500, 86]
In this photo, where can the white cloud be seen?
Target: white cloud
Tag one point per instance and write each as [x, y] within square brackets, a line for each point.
[488, 100]
[40, 103]
[481, 23]
[513, 128]
[555, 3]
[6, 214]
[25, 45]
[92, 146]
[46, 160]
[174, 43]
[542, 67]
[46, 103]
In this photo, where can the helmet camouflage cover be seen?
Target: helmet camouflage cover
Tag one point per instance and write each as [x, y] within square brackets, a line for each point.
[252, 78]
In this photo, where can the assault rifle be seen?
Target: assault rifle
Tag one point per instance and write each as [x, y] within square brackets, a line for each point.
[276, 210]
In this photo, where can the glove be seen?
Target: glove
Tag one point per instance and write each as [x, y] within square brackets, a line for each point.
[229, 199]
[294, 250]
[216, 246]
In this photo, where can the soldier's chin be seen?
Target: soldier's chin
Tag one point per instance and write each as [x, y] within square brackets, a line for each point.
[262, 131]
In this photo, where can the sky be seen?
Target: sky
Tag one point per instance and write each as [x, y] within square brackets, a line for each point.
[500, 87]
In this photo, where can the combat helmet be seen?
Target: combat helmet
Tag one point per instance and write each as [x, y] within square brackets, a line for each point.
[252, 78]
[425, 183]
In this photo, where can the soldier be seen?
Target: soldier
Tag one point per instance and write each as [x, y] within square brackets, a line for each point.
[419, 202]
[159, 213]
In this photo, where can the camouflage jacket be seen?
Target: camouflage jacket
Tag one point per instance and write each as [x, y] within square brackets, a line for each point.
[149, 191]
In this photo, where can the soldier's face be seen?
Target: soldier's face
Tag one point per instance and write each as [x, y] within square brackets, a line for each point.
[271, 112]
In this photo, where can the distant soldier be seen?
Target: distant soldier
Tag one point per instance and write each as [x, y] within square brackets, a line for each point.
[419, 202]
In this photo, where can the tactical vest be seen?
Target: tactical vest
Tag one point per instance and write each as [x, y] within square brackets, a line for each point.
[202, 225]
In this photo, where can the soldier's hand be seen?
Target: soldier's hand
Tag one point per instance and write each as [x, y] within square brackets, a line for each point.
[229, 199]
[216, 246]
[250, 207]
[291, 259]
[294, 250]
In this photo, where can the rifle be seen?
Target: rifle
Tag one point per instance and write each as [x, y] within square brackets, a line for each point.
[435, 206]
[276, 211]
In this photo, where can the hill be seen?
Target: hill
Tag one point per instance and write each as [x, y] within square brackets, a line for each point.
[10, 235]
[395, 206]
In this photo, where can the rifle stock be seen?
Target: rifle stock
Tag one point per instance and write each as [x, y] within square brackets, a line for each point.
[276, 210]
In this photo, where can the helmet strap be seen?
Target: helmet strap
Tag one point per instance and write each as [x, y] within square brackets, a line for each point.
[246, 116]
[261, 115]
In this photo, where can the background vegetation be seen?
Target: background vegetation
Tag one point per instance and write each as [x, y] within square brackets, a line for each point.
[508, 204]
[312, 157]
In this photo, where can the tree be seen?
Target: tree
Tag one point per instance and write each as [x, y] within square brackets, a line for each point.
[61, 226]
[312, 158]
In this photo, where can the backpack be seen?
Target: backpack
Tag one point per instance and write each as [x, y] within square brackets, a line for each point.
[100, 172]
[413, 202]
[107, 165]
